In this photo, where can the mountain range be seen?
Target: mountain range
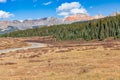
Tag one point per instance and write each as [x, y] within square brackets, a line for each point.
[10, 26]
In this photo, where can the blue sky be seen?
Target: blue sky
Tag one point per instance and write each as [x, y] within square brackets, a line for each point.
[26, 9]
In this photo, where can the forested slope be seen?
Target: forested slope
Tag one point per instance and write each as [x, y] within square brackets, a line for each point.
[95, 29]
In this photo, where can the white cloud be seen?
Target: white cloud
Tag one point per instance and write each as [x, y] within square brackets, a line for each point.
[77, 10]
[4, 14]
[47, 3]
[67, 9]
[66, 6]
[63, 14]
[3, 1]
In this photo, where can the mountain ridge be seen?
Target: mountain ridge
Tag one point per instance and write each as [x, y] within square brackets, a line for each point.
[47, 21]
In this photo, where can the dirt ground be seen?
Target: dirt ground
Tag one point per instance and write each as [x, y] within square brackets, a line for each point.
[63, 60]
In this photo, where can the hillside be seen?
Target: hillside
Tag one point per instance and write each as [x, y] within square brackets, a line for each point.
[94, 29]
[47, 21]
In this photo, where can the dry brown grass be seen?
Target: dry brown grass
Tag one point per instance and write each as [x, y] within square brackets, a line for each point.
[6, 43]
[64, 62]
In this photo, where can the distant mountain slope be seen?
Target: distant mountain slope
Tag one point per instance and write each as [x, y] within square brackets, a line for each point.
[26, 24]
[8, 29]
[29, 23]
[95, 29]
[48, 21]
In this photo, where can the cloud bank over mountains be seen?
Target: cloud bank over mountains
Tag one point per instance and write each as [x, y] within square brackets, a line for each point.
[67, 9]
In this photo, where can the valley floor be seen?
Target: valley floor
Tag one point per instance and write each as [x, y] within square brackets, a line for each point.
[68, 60]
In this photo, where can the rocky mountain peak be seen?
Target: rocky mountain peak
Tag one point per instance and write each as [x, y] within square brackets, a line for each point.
[82, 17]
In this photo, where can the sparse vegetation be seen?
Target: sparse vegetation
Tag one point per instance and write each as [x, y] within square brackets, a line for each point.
[97, 60]
[6, 43]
